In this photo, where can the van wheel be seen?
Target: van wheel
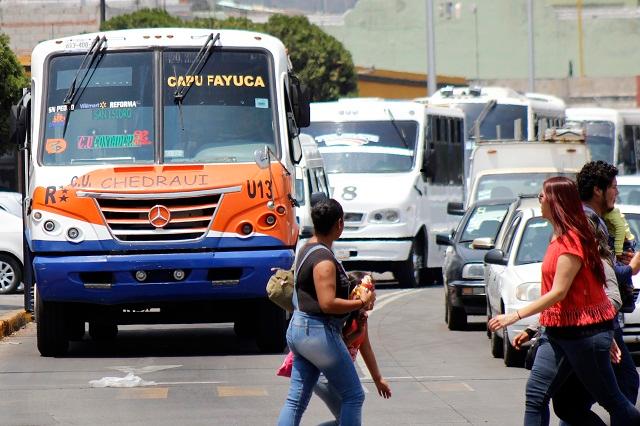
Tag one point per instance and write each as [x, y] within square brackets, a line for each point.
[271, 327]
[412, 272]
[10, 274]
[51, 331]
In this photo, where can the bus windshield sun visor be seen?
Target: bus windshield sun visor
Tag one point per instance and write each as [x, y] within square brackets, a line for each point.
[85, 65]
[194, 69]
[483, 114]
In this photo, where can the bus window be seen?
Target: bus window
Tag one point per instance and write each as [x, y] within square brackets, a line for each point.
[626, 154]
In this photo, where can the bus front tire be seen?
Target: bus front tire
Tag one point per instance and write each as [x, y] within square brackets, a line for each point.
[51, 331]
[271, 328]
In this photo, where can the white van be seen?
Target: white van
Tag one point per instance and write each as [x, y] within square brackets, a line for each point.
[310, 178]
[394, 166]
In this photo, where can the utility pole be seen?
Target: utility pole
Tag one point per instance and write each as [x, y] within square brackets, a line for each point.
[103, 10]
[580, 36]
[532, 61]
[431, 51]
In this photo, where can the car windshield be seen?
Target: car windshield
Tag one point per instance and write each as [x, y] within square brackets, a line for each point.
[534, 242]
[111, 118]
[600, 139]
[499, 115]
[484, 222]
[510, 185]
[366, 146]
[633, 219]
[228, 112]
[629, 194]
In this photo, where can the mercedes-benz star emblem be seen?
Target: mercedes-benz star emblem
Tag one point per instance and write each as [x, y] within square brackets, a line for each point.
[159, 216]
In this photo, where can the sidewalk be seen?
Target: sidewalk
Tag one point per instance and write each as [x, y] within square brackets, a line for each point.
[12, 314]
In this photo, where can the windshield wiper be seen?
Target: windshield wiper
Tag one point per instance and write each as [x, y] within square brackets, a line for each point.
[398, 130]
[483, 114]
[91, 55]
[194, 69]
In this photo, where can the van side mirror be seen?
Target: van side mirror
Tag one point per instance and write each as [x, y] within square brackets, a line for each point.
[443, 240]
[495, 257]
[455, 209]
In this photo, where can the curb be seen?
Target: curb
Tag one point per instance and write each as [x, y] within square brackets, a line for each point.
[14, 321]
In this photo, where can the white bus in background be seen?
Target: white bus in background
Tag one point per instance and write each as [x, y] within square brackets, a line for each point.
[498, 110]
[310, 182]
[631, 139]
[394, 166]
[605, 136]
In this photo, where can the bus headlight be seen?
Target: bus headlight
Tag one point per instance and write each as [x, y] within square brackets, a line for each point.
[528, 292]
[385, 216]
[473, 271]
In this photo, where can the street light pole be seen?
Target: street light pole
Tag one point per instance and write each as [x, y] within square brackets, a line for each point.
[532, 62]
[431, 51]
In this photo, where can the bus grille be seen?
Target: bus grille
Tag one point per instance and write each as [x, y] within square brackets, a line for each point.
[128, 219]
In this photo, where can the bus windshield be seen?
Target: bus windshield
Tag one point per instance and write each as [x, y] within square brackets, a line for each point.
[499, 115]
[111, 119]
[600, 139]
[228, 112]
[510, 185]
[366, 146]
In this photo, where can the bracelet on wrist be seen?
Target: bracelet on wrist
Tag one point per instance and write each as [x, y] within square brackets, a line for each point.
[518, 314]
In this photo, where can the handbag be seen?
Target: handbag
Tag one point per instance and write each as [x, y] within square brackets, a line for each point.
[531, 353]
[280, 284]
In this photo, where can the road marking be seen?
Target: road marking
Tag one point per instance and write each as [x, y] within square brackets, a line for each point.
[225, 391]
[386, 299]
[136, 371]
[191, 383]
[143, 393]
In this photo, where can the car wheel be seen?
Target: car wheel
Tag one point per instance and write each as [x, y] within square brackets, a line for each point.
[103, 331]
[512, 356]
[51, 332]
[496, 345]
[457, 318]
[10, 274]
[446, 305]
[489, 316]
[412, 272]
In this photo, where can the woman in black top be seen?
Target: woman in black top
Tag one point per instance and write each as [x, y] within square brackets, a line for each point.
[315, 330]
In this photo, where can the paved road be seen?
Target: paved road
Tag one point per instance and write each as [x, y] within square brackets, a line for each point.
[203, 374]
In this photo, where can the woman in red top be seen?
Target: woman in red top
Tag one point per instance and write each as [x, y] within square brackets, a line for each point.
[575, 311]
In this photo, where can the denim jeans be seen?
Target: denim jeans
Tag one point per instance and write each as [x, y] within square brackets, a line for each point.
[318, 347]
[572, 403]
[329, 395]
[588, 358]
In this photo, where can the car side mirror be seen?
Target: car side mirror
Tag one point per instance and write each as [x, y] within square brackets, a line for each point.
[484, 243]
[455, 209]
[443, 240]
[495, 257]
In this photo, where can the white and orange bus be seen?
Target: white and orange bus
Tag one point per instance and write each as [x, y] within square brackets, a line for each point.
[158, 184]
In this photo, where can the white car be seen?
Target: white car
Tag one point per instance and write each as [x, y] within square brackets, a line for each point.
[10, 252]
[513, 273]
[631, 322]
[629, 190]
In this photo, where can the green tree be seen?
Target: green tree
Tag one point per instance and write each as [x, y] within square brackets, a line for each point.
[318, 58]
[13, 80]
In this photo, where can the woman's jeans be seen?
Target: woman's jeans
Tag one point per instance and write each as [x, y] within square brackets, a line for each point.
[588, 358]
[318, 347]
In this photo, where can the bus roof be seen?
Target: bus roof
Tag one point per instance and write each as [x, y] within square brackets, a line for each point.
[147, 37]
[595, 114]
[630, 115]
[467, 94]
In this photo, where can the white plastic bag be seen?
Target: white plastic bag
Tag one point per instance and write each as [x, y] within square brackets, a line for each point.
[128, 381]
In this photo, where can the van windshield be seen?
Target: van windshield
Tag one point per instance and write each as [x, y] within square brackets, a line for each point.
[366, 146]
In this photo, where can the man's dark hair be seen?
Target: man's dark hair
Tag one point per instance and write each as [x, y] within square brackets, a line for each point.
[325, 214]
[595, 174]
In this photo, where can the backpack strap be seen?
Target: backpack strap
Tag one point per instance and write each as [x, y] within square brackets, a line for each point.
[297, 270]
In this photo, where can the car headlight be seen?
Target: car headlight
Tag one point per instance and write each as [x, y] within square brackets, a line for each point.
[473, 271]
[528, 292]
[385, 216]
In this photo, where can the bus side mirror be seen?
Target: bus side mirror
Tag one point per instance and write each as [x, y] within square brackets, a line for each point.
[19, 118]
[300, 99]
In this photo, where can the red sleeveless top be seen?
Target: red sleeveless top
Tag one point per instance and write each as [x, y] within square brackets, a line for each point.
[586, 302]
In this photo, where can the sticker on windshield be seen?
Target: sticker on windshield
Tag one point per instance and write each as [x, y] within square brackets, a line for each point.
[112, 114]
[55, 146]
[220, 80]
[57, 120]
[262, 103]
[353, 139]
[60, 108]
[137, 139]
[174, 153]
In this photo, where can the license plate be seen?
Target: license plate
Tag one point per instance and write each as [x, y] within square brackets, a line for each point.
[342, 254]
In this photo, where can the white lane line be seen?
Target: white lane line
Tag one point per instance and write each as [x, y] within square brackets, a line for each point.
[190, 383]
[379, 305]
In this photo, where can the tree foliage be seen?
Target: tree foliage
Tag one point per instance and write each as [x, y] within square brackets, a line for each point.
[13, 81]
[318, 58]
